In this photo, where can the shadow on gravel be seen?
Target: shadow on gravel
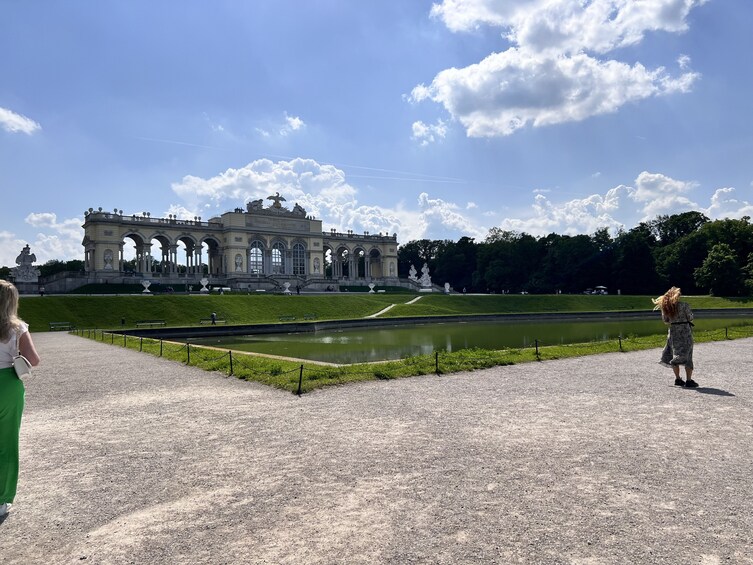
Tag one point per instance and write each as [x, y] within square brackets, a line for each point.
[714, 391]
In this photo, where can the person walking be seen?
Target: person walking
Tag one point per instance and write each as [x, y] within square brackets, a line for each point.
[14, 339]
[679, 348]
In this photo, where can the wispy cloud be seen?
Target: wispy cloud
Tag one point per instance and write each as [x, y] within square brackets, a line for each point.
[428, 133]
[17, 123]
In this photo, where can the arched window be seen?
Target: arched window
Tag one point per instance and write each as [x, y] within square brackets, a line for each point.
[278, 259]
[299, 259]
[256, 258]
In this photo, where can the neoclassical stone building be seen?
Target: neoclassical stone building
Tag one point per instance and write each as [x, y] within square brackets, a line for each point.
[255, 248]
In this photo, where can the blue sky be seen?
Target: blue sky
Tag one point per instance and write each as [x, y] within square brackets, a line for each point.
[429, 119]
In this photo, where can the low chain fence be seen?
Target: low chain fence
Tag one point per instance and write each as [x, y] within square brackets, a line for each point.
[299, 378]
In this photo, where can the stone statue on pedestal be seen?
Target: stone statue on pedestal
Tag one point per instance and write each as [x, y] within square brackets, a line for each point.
[26, 271]
[425, 279]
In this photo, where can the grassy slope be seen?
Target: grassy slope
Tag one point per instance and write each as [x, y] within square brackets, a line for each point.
[439, 305]
[107, 311]
[181, 310]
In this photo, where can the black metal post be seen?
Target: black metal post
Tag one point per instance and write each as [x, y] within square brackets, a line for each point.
[300, 381]
[125, 343]
[188, 353]
[436, 362]
[726, 335]
[620, 338]
[538, 358]
[230, 353]
[141, 344]
[160, 348]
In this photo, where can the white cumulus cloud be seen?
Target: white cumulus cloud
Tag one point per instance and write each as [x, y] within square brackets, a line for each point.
[326, 194]
[428, 133]
[292, 124]
[552, 72]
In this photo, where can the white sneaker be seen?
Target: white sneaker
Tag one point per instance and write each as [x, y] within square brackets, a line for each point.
[3, 509]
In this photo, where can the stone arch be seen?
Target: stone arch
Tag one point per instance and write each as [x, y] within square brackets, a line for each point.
[191, 249]
[374, 263]
[341, 262]
[358, 263]
[213, 255]
[141, 257]
[162, 261]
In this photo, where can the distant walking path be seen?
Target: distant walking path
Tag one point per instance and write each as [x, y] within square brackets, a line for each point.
[381, 312]
[129, 458]
[416, 299]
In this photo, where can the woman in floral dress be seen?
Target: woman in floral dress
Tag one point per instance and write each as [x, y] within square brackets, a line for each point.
[679, 348]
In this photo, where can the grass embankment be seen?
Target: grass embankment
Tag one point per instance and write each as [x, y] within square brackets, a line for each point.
[108, 311]
[182, 310]
[297, 377]
[458, 305]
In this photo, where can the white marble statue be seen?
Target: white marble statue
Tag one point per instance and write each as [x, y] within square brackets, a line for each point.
[412, 273]
[26, 271]
[425, 279]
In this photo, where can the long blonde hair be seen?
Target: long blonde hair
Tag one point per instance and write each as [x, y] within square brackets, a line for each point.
[9, 319]
[668, 302]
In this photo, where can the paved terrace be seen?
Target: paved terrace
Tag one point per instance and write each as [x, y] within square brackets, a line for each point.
[127, 458]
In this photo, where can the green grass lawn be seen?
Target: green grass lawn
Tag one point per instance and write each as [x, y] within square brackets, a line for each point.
[182, 310]
[177, 310]
[453, 305]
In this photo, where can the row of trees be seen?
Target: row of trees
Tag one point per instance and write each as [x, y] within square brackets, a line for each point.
[686, 250]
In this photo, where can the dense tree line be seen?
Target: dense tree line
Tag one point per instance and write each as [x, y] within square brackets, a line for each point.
[686, 250]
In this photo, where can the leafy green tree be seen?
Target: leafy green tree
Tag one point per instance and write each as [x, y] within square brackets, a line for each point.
[507, 261]
[738, 234]
[748, 274]
[677, 262]
[634, 267]
[720, 272]
[668, 229]
[54, 266]
[417, 253]
[455, 263]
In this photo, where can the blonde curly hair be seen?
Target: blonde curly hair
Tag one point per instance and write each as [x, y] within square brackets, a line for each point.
[668, 302]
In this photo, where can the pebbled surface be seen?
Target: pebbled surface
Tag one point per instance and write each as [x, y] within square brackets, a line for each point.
[127, 458]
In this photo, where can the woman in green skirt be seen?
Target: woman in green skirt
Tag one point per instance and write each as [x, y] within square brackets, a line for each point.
[14, 339]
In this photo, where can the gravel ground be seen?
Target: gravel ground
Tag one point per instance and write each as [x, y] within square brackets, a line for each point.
[127, 458]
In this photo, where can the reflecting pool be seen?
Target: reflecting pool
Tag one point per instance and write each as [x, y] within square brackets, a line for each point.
[396, 342]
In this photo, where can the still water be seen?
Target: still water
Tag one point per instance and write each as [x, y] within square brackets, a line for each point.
[396, 342]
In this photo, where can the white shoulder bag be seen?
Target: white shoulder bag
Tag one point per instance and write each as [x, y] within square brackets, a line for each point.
[21, 364]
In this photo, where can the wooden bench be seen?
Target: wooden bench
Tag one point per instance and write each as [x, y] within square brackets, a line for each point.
[55, 326]
[141, 323]
[209, 321]
[287, 318]
[309, 316]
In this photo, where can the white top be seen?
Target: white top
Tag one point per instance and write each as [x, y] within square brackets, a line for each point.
[9, 349]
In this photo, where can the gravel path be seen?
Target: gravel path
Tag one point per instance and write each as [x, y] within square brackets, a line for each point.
[127, 458]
